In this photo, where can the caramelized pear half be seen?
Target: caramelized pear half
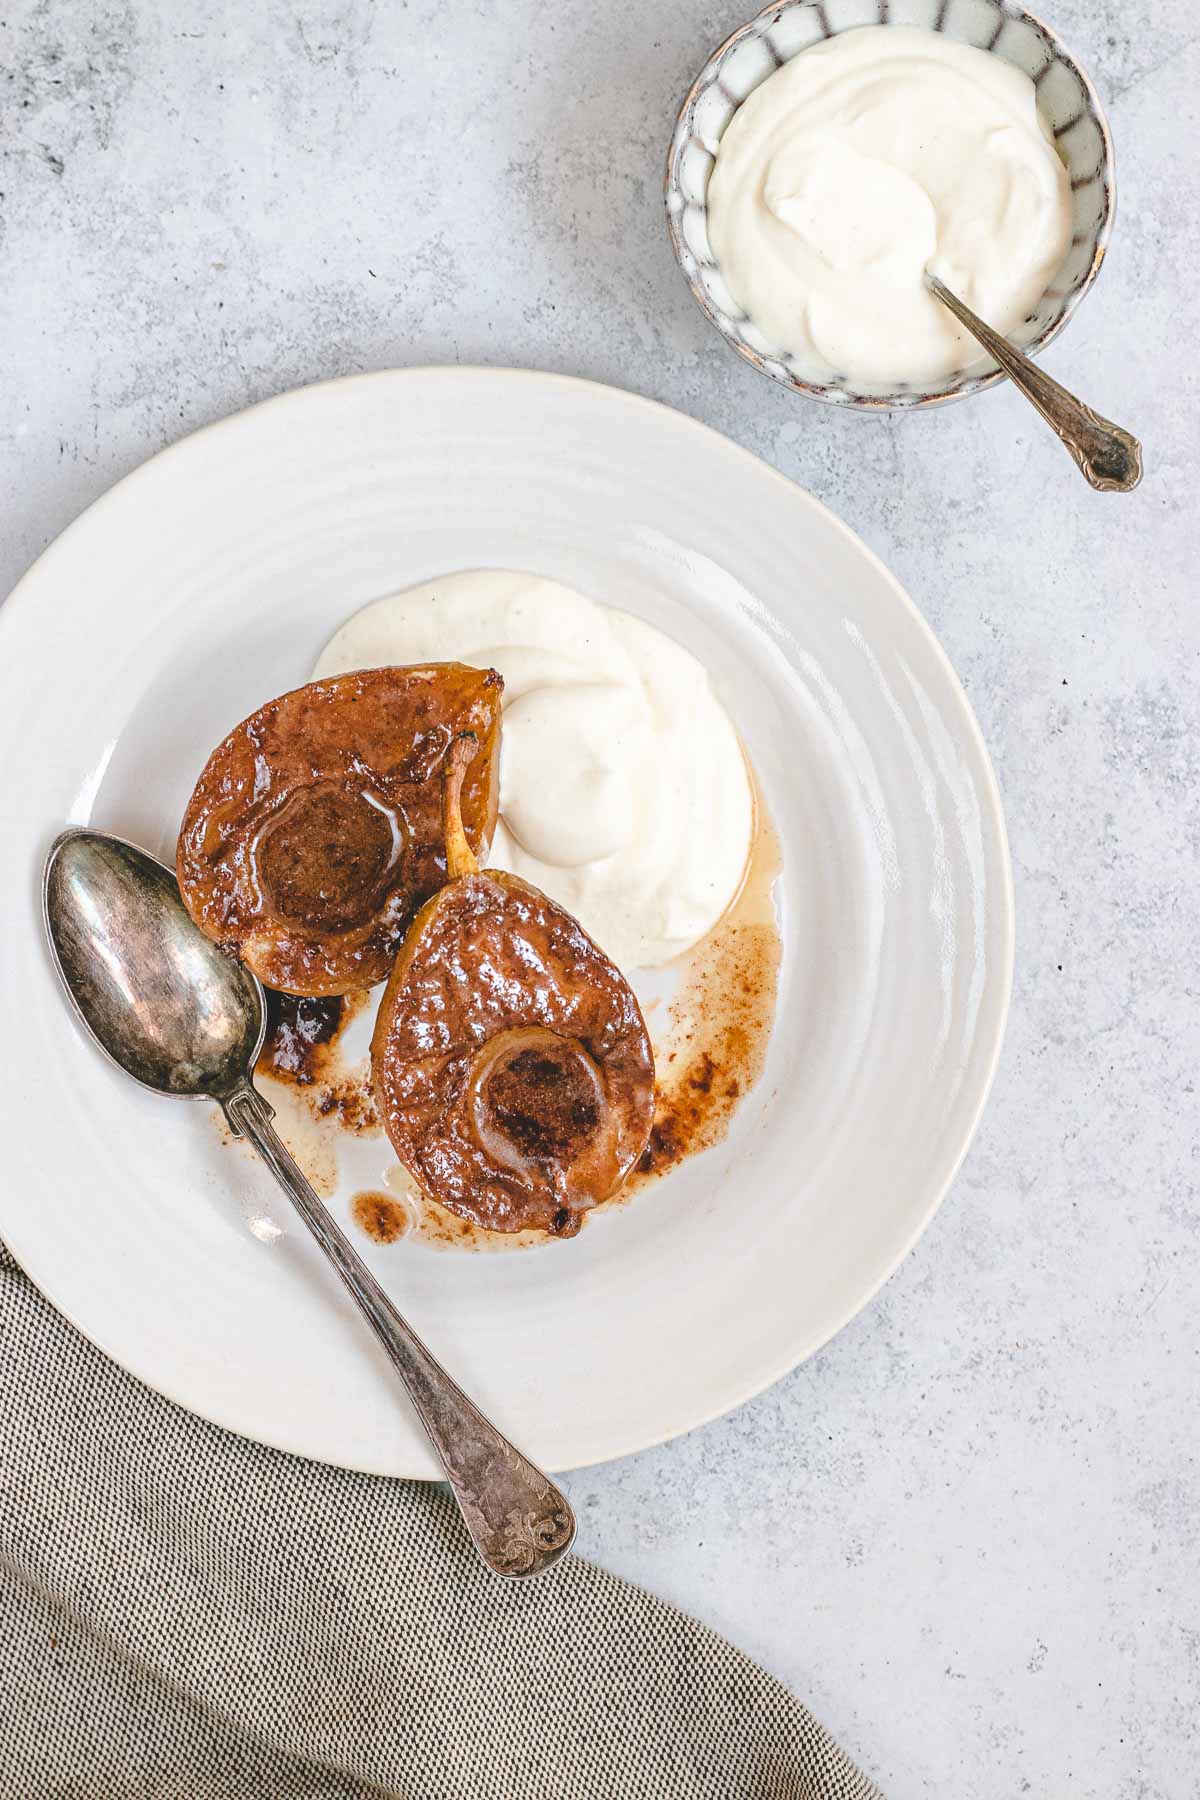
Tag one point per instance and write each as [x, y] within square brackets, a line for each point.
[511, 1062]
[315, 831]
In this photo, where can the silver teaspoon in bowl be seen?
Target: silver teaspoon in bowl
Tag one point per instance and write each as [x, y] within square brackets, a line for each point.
[1110, 458]
[184, 1019]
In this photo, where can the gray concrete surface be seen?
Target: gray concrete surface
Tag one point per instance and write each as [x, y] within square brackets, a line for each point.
[968, 1532]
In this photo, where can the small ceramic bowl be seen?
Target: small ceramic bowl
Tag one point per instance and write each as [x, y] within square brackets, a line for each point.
[1066, 99]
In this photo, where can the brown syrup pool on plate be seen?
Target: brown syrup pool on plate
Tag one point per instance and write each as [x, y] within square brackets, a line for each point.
[303, 1049]
[300, 1035]
[382, 1217]
[715, 1046]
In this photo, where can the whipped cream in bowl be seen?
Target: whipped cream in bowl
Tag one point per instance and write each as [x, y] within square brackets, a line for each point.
[822, 165]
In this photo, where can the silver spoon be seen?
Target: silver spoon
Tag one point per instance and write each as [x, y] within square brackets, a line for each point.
[1110, 458]
[184, 1019]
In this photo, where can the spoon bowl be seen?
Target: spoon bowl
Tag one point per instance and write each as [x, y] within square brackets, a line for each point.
[162, 1001]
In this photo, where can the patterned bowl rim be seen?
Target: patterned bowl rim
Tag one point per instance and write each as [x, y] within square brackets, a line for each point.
[829, 393]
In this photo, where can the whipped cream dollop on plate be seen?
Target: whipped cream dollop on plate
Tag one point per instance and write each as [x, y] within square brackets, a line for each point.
[624, 792]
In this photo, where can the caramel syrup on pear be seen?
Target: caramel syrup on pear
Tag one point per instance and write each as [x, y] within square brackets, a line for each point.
[709, 1051]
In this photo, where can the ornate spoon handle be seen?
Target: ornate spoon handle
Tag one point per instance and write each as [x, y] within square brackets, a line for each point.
[520, 1522]
[1110, 458]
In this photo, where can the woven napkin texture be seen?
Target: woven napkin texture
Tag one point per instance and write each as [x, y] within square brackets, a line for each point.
[188, 1616]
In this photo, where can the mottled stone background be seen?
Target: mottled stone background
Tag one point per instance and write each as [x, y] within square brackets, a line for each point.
[969, 1531]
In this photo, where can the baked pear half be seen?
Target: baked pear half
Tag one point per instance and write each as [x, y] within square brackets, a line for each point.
[512, 1066]
[315, 832]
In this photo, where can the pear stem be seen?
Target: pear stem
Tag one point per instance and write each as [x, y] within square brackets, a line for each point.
[460, 858]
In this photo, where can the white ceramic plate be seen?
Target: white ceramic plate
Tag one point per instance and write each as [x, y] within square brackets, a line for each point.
[207, 582]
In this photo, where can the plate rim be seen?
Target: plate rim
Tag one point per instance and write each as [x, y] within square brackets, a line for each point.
[19, 599]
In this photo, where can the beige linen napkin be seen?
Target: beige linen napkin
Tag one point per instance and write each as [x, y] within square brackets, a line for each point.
[188, 1616]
